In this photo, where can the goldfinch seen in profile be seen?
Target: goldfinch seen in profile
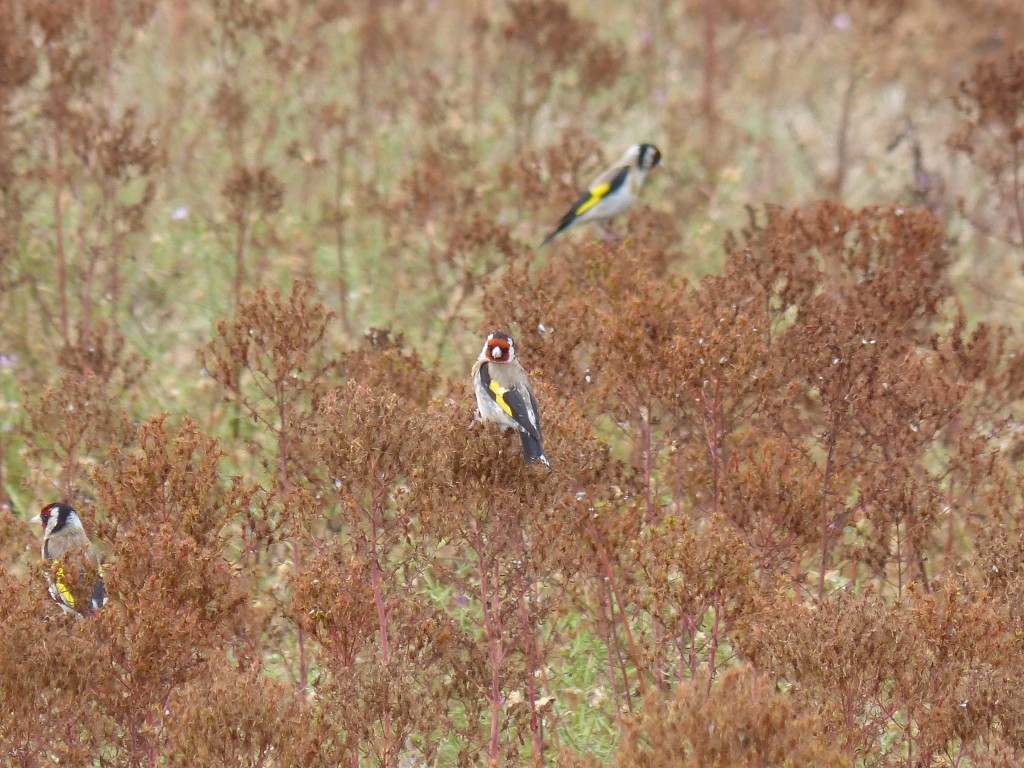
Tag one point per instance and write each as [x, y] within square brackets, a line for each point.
[504, 396]
[63, 538]
[613, 191]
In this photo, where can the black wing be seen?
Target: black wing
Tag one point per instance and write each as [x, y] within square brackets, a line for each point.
[99, 594]
[533, 448]
[536, 413]
[588, 200]
[521, 411]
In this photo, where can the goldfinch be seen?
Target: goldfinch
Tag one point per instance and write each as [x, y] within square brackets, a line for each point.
[64, 536]
[613, 191]
[504, 396]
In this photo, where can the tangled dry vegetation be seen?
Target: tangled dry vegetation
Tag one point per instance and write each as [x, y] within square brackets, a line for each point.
[782, 526]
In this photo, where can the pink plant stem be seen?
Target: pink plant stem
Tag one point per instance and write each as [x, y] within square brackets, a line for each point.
[612, 648]
[910, 742]
[677, 486]
[713, 437]
[378, 592]
[85, 308]
[69, 474]
[241, 230]
[691, 626]
[382, 620]
[842, 140]
[713, 651]
[649, 514]
[607, 628]
[1018, 203]
[950, 496]
[646, 429]
[707, 100]
[58, 221]
[681, 647]
[826, 484]
[531, 685]
[609, 574]
[282, 441]
[300, 636]
[489, 603]
[659, 650]
[497, 655]
[899, 561]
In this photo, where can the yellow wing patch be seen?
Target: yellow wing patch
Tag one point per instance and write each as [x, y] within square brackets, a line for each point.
[62, 587]
[499, 396]
[596, 194]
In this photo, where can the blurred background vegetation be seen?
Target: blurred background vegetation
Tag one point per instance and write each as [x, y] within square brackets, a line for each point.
[173, 156]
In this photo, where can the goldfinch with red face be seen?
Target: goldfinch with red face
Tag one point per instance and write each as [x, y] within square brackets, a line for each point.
[613, 191]
[504, 396]
[64, 537]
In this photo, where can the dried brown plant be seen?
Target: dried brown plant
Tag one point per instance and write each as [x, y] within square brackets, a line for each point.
[743, 721]
[992, 136]
[781, 524]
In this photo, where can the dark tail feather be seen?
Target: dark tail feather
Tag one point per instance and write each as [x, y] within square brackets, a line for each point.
[532, 449]
[549, 238]
[567, 221]
[99, 595]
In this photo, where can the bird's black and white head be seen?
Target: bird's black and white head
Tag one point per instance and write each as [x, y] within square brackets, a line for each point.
[648, 157]
[58, 517]
[499, 348]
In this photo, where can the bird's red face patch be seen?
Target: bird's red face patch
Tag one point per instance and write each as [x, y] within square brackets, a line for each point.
[499, 348]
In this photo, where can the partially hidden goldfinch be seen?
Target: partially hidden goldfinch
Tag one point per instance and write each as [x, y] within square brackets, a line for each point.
[63, 538]
[504, 396]
[613, 191]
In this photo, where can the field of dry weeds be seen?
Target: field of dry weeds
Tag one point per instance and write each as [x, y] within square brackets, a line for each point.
[249, 251]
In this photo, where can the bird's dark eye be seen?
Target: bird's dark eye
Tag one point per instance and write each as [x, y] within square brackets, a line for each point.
[650, 156]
